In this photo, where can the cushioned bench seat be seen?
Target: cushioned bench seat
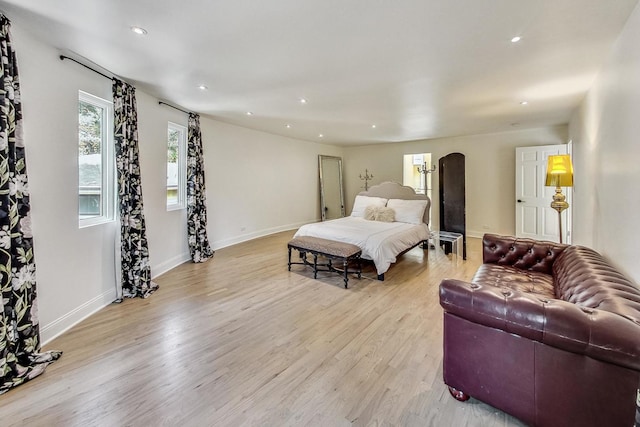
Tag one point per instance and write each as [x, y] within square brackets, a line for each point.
[330, 249]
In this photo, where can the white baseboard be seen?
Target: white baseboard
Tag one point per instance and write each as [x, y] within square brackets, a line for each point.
[477, 234]
[219, 244]
[57, 327]
[480, 234]
[169, 264]
[77, 315]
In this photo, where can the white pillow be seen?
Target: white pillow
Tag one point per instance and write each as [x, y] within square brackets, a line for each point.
[410, 211]
[361, 202]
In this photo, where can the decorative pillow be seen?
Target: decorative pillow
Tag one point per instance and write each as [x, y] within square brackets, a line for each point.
[410, 211]
[386, 215]
[375, 213]
[370, 212]
[361, 202]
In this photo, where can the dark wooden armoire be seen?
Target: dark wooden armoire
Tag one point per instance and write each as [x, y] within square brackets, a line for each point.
[452, 196]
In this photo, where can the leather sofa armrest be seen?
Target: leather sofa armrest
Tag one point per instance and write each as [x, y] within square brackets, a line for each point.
[520, 253]
[595, 333]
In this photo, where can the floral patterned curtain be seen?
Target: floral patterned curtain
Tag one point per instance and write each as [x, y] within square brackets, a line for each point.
[20, 356]
[196, 195]
[134, 253]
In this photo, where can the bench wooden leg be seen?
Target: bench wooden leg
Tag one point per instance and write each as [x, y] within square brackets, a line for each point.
[329, 264]
[345, 265]
[315, 266]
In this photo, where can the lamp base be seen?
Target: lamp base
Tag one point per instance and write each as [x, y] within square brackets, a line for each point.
[559, 204]
[559, 201]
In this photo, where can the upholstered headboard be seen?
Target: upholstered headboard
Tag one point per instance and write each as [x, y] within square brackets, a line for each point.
[393, 190]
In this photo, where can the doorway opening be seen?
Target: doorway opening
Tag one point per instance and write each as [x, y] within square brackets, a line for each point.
[416, 173]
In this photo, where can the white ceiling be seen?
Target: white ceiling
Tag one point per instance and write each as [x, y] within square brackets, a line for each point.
[413, 68]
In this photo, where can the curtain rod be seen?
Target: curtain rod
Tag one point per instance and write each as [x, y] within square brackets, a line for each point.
[172, 106]
[63, 57]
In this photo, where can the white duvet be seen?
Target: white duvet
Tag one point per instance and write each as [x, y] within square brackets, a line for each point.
[380, 242]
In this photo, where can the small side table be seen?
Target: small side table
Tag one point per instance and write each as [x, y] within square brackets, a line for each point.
[455, 239]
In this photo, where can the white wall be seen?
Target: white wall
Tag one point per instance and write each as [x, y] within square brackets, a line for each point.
[489, 165]
[166, 230]
[605, 132]
[74, 267]
[256, 181]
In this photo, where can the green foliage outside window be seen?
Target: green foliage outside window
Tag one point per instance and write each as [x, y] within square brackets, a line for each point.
[89, 128]
[172, 146]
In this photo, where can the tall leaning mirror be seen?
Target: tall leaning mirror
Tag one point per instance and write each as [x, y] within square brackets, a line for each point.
[331, 193]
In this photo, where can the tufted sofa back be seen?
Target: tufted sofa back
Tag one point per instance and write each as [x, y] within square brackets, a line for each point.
[583, 277]
[524, 254]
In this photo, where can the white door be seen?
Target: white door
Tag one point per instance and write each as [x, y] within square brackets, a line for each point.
[534, 217]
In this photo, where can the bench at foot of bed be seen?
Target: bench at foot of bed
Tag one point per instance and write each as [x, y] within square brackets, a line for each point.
[330, 249]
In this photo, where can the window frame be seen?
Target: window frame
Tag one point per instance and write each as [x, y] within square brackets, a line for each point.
[107, 151]
[181, 161]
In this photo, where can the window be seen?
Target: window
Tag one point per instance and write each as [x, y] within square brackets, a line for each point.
[95, 160]
[176, 167]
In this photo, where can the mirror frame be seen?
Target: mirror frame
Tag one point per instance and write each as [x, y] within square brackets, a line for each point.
[323, 213]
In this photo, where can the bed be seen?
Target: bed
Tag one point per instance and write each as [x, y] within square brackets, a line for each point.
[369, 227]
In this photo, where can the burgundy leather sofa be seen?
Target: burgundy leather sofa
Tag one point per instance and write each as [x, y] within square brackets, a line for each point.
[546, 332]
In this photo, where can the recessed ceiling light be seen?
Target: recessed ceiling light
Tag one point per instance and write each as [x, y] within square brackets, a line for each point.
[249, 113]
[139, 30]
[516, 39]
[303, 101]
[288, 126]
[320, 135]
[373, 126]
[524, 102]
[202, 87]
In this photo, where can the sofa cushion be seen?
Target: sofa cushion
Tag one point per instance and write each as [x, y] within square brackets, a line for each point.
[522, 253]
[583, 277]
[504, 276]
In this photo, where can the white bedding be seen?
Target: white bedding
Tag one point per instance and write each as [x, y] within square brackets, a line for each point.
[381, 242]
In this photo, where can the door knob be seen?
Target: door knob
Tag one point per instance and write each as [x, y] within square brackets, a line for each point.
[520, 201]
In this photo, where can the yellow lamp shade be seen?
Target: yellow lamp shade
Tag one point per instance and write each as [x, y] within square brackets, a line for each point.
[559, 171]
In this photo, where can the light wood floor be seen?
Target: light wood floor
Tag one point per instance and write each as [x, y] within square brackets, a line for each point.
[239, 340]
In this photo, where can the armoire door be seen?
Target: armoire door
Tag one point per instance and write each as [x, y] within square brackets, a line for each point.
[452, 196]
